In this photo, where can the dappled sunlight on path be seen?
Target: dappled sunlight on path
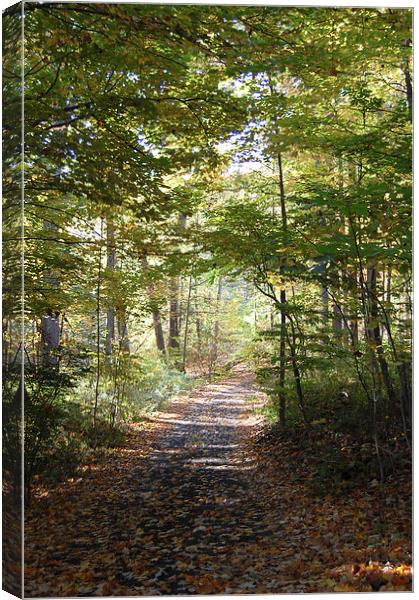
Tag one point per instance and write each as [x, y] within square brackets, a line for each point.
[182, 514]
[189, 507]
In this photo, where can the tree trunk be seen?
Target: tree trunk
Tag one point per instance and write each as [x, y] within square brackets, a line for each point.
[325, 305]
[272, 317]
[198, 325]
[282, 357]
[284, 333]
[283, 313]
[50, 323]
[214, 346]
[157, 322]
[158, 332]
[123, 334]
[373, 331]
[180, 307]
[255, 312]
[174, 316]
[217, 307]
[297, 374]
[98, 301]
[337, 318]
[337, 309]
[110, 265]
[354, 328]
[388, 286]
[174, 313]
[185, 336]
[50, 339]
[409, 90]
[5, 342]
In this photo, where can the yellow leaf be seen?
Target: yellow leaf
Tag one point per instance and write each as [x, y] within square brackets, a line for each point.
[345, 587]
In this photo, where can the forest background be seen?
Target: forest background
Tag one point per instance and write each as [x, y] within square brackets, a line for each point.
[207, 185]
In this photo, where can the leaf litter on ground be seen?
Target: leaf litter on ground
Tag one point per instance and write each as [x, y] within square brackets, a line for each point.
[195, 503]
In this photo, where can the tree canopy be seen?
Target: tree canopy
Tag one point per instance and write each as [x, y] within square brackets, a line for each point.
[202, 185]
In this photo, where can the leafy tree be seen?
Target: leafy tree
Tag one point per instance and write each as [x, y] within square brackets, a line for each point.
[190, 169]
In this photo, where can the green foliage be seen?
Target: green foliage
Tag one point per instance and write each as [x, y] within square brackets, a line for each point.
[12, 431]
[138, 385]
[48, 449]
[169, 149]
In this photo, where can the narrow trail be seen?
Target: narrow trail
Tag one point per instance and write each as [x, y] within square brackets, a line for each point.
[177, 512]
[195, 504]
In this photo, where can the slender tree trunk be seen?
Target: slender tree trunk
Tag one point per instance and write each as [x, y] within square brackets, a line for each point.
[180, 308]
[409, 89]
[50, 321]
[282, 358]
[157, 321]
[346, 283]
[217, 308]
[174, 315]
[388, 286]
[407, 305]
[158, 332]
[384, 290]
[283, 312]
[404, 367]
[367, 293]
[110, 265]
[50, 339]
[123, 333]
[325, 305]
[98, 301]
[115, 397]
[5, 345]
[353, 312]
[216, 332]
[374, 334]
[272, 317]
[337, 319]
[198, 334]
[296, 373]
[197, 322]
[337, 310]
[185, 336]
[255, 312]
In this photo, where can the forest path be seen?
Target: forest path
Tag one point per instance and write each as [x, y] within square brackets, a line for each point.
[182, 510]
